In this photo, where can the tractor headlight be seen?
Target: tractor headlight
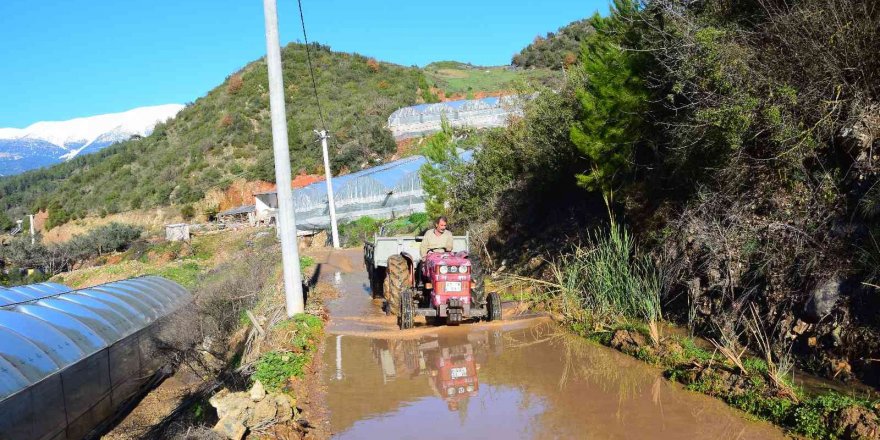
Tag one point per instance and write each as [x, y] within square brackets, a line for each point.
[462, 269]
[451, 391]
[444, 269]
[453, 269]
[470, 388]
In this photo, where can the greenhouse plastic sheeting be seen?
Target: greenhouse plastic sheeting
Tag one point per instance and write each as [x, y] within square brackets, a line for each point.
[30, 292]
[386, 191]
[69, 358]
[422, 119]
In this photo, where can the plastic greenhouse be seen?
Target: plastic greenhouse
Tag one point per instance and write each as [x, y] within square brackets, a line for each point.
[70, 358]
[422, 119]
[386, 191]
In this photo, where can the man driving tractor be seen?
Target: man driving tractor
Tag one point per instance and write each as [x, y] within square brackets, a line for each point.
[436, 238]
[436, 278]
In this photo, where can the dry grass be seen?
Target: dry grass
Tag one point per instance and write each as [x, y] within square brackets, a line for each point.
[731, 351]
[777, 370]
[152, 220]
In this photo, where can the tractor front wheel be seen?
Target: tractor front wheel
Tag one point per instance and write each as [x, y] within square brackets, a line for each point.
[493, 305]
[396, 280]
[405, 318]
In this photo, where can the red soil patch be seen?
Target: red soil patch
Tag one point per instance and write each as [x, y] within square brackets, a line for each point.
[40, 220]
[242, 192]
[406, 147]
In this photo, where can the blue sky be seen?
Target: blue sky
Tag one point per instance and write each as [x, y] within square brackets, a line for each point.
[64, 59]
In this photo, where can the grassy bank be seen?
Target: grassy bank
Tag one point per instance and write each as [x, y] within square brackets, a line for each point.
[300, 338]
[757, 386]
[608, 292]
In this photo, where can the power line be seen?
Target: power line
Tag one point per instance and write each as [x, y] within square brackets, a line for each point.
[322, 133]
[311, 70]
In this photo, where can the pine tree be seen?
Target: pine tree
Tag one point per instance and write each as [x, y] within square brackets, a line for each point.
[438, 173]
[612, 99]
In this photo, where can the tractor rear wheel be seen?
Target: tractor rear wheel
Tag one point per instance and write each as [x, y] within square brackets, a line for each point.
[405, 319]
[396, 280]
[493, 305]
[478, 293]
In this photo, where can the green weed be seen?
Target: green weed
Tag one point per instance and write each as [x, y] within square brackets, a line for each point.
[275, 367]
[305, 262]
[185, 274]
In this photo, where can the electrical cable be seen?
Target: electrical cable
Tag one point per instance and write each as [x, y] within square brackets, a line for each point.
[311, 70]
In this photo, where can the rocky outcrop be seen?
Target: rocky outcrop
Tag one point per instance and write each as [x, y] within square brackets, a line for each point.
[822, 299]
[857, 423]
[243, 412]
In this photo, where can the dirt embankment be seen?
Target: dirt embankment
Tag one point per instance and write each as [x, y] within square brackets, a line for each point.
[235, 330]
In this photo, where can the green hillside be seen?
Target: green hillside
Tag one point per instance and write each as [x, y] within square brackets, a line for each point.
[556, 49]
[226, 135]
[459, 78]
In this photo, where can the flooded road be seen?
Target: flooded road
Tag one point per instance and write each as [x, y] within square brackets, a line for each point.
[521, 378]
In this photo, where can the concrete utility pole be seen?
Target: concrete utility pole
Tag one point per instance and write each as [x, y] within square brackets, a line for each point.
[333, 229]
[286, 219]
[33, 230]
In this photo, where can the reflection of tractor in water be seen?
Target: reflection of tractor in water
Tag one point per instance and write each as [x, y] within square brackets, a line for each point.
[399, 358]
[449, 364]
[454, 374]
[445, 284]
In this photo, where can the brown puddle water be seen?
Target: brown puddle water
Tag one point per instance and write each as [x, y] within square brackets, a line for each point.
[522, 378]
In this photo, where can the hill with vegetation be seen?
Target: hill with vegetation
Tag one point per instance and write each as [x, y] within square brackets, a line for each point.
[556, 50]
[226, 135]
[466, 81]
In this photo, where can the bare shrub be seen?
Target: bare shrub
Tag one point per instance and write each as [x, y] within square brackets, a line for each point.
[228, 291]
[235, 84]
[196, 433]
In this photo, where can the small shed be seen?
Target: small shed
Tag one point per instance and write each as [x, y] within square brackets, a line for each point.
[265, 207]
[240, 214]
[177, 232]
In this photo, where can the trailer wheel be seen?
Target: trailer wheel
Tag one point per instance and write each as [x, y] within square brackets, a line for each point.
[377, 282]
[493, 304]
[405, 319]
[396, 280]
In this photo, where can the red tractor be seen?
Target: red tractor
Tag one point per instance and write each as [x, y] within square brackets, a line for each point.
[443, 285]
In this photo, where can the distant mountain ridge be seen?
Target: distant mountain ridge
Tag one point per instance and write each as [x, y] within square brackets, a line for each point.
[225, 137]
[50, 142]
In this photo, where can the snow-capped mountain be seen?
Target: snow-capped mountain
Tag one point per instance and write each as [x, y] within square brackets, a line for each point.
[46, 143]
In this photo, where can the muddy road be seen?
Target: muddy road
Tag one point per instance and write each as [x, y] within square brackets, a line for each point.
[521, 378]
